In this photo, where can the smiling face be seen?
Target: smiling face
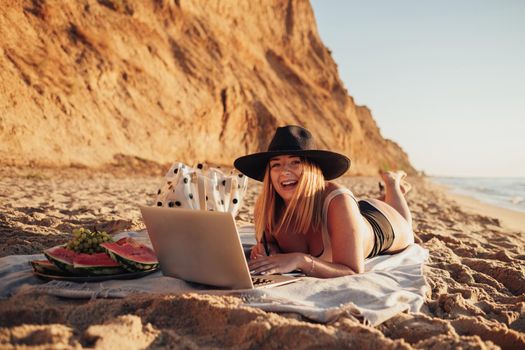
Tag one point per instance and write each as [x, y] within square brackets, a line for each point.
[285, 172]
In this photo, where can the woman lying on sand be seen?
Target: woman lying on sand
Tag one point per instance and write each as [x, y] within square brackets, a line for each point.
[303, 222]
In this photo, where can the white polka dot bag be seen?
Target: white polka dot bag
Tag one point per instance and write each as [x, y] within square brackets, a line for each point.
[202, 187]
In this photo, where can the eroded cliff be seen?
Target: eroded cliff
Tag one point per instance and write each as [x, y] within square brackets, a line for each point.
[88, 81]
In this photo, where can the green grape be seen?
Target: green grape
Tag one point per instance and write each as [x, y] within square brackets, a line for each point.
[86, 241]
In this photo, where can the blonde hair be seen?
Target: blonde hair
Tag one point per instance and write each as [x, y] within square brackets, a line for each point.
[304, 210]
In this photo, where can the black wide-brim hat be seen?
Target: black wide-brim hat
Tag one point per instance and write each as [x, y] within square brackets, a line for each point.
[297, 141]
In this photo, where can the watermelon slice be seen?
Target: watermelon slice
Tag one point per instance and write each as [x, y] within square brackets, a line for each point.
[46, 267]
[132, 255]
[61, 257]
[96, 264]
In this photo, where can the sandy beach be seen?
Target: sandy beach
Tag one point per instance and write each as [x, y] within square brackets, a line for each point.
[95, 95]
[475, 271]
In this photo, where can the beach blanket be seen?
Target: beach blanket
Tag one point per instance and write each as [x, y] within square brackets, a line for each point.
[391, 284]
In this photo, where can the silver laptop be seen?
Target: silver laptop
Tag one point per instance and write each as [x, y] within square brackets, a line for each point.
[204, 247]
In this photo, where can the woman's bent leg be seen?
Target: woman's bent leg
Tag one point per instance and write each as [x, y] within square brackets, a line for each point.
[395, 208]
[394, 194]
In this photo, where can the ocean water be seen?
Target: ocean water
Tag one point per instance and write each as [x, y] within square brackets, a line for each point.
[503, 192]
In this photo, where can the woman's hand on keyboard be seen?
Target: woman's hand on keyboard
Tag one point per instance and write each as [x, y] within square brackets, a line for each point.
[279, 263]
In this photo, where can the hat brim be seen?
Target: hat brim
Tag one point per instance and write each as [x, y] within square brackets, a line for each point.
[331, 164]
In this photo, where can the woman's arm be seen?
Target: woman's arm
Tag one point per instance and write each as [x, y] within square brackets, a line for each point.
[310, 266]
[344, 226]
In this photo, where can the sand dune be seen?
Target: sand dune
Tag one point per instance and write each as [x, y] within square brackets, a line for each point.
[475, 271]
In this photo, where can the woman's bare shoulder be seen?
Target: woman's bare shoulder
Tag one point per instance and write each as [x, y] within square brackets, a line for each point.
[332, 186]
[329, 188]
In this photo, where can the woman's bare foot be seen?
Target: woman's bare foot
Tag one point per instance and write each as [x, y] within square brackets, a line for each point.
[395, 189]
[405, 187]
[396, 178]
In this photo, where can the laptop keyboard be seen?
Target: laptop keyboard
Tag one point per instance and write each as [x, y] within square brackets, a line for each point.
[260, 281]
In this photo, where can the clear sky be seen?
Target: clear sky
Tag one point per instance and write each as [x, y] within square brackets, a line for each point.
[444, 79]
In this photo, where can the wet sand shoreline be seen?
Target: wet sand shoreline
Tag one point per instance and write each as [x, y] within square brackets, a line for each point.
[513, 219]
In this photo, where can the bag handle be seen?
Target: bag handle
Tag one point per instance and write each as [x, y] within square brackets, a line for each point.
[201, 185]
